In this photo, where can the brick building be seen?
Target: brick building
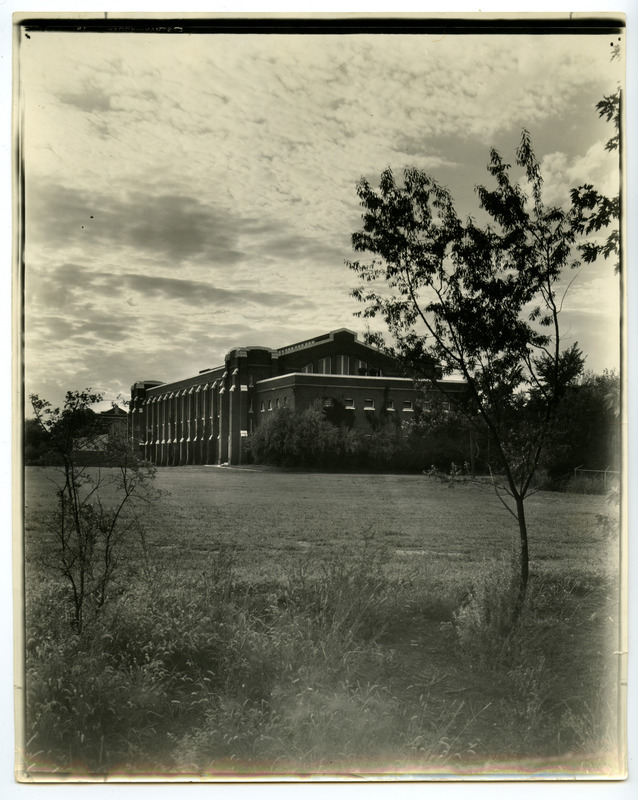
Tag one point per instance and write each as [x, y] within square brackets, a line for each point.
[205, 418]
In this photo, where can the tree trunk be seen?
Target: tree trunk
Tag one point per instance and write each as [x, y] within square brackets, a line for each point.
[521, 562]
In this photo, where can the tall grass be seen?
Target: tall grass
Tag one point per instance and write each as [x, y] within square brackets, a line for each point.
[345, 661]
[591, 483]
[545, 703]
[195, 670]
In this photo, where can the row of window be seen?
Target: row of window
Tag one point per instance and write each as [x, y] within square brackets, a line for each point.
[369, 404]
[339, 365]
[268, 405]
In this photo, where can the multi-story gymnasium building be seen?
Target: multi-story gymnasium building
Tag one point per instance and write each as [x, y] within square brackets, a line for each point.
[205, 418]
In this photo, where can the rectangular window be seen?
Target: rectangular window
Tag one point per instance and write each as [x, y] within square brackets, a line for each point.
[328, 402]
[343, 365]
[348, 402]
[324, 366]
[368, 405]
[445, 406]
[407, 405]
[389, 406]
[360, 367]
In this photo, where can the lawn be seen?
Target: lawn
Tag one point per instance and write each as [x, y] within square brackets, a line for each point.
[273, 517]
[286, 621]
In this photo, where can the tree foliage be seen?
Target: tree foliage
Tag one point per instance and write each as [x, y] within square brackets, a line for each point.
[96, 508]
[319, 437]
[585, 429]
[597, 211]
[288, 439]
[482, 300]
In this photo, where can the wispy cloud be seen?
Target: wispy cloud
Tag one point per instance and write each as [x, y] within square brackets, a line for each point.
[90, 99]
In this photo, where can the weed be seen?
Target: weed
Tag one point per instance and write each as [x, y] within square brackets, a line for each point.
[594, 483]
[483, 621]
[347, 596]
[591, 727]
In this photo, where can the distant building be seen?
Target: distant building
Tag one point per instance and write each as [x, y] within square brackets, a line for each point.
[108, 432]
[204, 419]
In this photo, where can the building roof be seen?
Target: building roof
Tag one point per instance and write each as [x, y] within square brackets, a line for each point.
[291, 358]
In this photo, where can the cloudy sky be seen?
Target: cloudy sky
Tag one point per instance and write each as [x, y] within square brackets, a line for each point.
[187, 194]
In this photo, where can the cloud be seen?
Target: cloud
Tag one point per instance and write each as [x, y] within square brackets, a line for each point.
[199, 293]
[90, 99]
[563, 172]
[170, 229]
[175, 227]
[415, 146]
[89, 300]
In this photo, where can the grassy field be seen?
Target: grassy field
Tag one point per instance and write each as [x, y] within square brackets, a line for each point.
[287, 621]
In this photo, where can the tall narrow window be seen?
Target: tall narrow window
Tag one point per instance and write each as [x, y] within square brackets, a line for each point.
[323, 367]
[342, 366]
[360, 367]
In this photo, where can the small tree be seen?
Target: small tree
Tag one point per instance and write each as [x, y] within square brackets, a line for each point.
[89, 531]
[482, 301]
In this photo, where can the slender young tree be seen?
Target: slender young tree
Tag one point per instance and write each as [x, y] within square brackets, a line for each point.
[89, 532]
[483, 301]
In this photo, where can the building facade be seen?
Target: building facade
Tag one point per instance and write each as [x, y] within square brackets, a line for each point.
[205, 419]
